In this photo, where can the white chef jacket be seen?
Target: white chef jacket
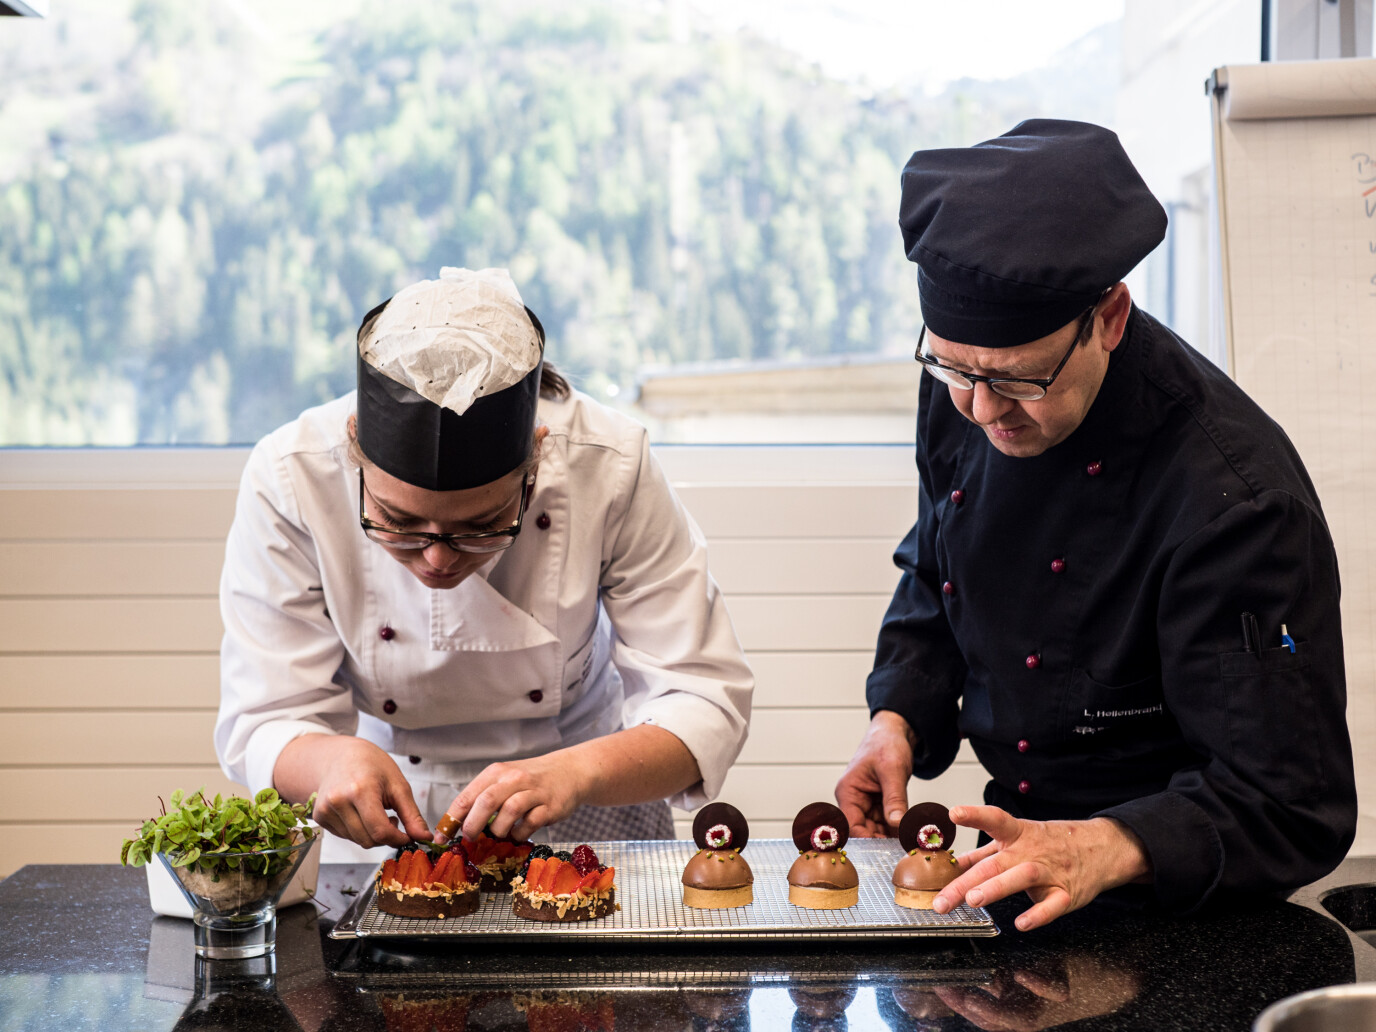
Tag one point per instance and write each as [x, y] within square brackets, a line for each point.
[601, 615]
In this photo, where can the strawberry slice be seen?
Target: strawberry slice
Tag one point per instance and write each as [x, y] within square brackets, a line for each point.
[605, 879]
[550, 872]
[502, 850]
[389, 871]
[443, 867]
[403, 868]
[418, 873]
[589, 883]
[566, 881]
[536, 869]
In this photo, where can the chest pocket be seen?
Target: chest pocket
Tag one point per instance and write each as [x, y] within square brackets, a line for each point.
[488, 660]
[1096, 713]
[1270, 703]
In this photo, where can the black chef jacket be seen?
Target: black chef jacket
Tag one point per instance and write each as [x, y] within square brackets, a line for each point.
[1078, 616]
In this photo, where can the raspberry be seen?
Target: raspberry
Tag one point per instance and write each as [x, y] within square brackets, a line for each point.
[474, 875]
[584, 859]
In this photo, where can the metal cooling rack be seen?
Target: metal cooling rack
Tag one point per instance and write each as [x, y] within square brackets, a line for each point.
[649, 895]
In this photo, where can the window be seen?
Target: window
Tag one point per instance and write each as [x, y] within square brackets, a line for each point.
[198, 202]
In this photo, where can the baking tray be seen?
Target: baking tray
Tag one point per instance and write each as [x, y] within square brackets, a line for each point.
[649, 896]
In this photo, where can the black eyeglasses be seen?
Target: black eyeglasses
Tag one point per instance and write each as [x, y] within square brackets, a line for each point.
[483, 541]
[1017, 388]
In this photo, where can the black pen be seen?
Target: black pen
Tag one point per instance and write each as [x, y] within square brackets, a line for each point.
[1251, 634]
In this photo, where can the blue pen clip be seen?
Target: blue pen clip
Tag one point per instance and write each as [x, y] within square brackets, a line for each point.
[1285, 638]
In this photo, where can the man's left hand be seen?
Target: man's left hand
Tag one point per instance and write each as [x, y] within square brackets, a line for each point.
[1061, 865]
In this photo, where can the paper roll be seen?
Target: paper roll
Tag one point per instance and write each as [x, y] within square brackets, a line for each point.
[1299, 89]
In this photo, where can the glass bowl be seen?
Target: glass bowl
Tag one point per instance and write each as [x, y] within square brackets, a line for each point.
[235, 910]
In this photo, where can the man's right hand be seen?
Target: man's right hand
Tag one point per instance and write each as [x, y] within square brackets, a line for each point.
[873, 792]
[355, 784]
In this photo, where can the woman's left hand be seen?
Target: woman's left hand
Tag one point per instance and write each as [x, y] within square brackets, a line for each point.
[518, 796]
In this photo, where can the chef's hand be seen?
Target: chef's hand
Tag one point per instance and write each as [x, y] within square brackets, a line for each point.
[1061, 865]
[635, 765]
[517, 797]
[355, 784]
[1029, 999]
[873, 791]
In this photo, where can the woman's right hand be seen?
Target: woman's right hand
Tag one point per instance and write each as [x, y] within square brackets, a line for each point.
[355, 784]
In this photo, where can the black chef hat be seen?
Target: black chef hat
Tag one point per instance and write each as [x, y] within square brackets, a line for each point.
[1015, 237]
[449, 379]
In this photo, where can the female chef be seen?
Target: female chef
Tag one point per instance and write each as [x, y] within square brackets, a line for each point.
[466, 589]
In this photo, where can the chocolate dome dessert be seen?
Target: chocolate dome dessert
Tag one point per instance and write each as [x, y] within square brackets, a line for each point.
[717, 876]
[822, 878]
[926, 833]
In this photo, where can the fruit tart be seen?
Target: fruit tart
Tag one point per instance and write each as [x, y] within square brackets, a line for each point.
[717, 876]
[926, 834]
[497, 859]
[822, 878]
[414, 885]
[563, 886]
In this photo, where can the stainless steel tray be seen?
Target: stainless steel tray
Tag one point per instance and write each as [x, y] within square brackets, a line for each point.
[649, 896]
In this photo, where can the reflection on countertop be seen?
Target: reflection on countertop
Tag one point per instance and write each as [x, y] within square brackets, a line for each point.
[82, 950]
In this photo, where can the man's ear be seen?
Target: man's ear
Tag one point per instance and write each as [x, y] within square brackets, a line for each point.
[1114, 311]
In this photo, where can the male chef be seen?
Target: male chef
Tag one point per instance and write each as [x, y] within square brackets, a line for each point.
[1120, 586]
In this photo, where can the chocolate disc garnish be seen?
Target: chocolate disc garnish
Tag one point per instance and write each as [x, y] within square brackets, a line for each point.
[819, 815]
[928, 827]
[709, 821]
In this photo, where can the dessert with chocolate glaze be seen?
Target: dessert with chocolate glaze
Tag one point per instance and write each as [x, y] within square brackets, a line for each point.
[925, 832]
[563, 886]
[822, 878]
[717, 876]
[411, 885]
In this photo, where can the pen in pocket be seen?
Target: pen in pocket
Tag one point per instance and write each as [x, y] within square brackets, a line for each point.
[1251, 634]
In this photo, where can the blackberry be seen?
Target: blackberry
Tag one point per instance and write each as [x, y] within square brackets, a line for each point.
[564, 855]
[541, 852]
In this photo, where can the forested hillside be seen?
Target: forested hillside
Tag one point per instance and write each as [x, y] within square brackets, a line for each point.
[192, 221]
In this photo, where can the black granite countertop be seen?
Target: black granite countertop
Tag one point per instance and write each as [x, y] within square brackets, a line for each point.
[80, 949]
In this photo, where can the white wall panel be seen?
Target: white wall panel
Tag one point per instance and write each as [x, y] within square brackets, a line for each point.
[72, 569]
[66, 681]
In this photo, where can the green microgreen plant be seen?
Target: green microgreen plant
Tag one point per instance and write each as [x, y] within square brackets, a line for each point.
[213, 835]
